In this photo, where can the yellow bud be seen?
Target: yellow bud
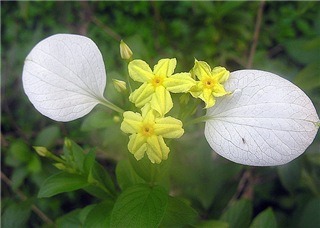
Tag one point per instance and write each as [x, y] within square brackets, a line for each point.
[120, 86]
[42, 151]
[125, 51]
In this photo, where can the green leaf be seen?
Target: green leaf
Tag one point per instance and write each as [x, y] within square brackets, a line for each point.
[88, 162]
[61, 182]
[18, 176]
[97, 120]
[311, 214]
[303, 50]
[308, 78]
[100, 175]
[70, 220]
[290, 175]
[213, 223]
[139, 206]
[74, 154]
[48, 136]
[97, 192]
[99, 216]
[178, 214]
[34, 164]
[148, 171]
[126, 176]
[83, 214]
[101, 183]
[193, 167]
[16, 214]
[20, 151]
[265, 219]
[239, 215]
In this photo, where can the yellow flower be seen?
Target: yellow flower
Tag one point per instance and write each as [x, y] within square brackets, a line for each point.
[158, 83]
[209, 85]
[147, 133]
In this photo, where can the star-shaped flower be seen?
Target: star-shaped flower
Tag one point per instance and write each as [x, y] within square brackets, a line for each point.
[158, 83]
[209, 85]
[147, 132]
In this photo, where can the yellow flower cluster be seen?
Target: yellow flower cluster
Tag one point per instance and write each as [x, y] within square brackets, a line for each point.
[149, 128]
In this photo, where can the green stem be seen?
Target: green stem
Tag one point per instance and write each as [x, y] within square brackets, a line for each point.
[198, 120]
[129, 84]
[57, 159]
[110, 105]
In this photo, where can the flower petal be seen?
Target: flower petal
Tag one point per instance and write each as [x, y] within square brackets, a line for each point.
[137, 145]
[157, 150]
[221, 74]
[266, 121]
[131, 122]
[161, 101]
[197, 89]
[179, 83]
[201, 69]
[165, 67]
[64, 76]
[218, 90]
[140, 71]
[168, 127]
[208, 98]
[142, 95]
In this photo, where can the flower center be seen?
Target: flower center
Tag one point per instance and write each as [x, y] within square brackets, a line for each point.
[157, 81]
[147, 130]
[209, 83]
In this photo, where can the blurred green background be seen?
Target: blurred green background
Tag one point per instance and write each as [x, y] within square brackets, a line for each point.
[221, 33]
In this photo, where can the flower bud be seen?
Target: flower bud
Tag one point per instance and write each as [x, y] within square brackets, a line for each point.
[125, 51]
[119, 85]
[42, 151]
[116, 119]
[60, 166]
[68, 143]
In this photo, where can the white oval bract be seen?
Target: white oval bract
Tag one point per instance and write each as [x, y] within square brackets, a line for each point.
[64, 76]
[266, 120]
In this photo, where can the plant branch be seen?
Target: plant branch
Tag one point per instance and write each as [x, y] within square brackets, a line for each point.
[256, 34]
[23, 197]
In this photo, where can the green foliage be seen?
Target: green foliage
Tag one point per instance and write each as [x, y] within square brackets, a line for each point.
[178, 214]
[310, 215]
[15, 214]
[139, 206]
[61, 182]
[106, 186]
[126, 176]
[264, 219]
[99, 215]
[239, 214]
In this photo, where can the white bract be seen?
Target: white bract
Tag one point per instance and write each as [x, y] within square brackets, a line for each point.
[64, 76]
[266, 120]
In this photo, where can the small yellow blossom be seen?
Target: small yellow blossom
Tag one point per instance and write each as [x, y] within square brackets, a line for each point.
[147, 132]
[158, 83]
[209, 85]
